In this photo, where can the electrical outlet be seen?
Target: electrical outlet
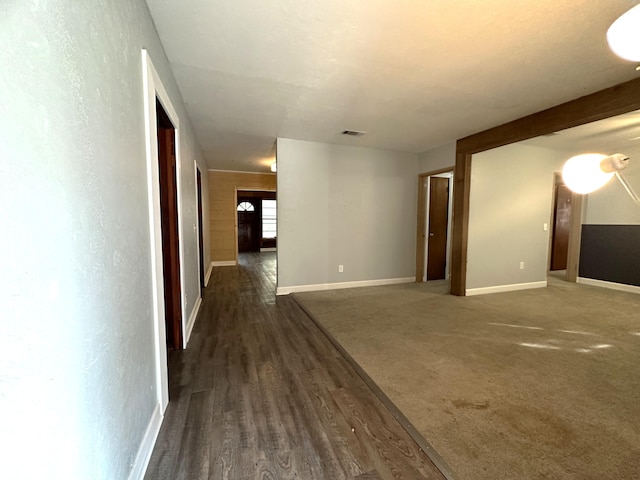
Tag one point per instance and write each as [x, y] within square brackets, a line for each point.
[521, 265]
[340, 268]
[545, 227]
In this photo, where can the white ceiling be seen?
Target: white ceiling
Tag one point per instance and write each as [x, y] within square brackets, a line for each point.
[608, 136]
[413, 74]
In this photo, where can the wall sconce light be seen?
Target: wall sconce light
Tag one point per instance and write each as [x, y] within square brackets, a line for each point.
[273, 167]
[623, 35]
[588, 172]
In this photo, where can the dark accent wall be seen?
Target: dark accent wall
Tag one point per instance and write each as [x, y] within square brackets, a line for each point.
[611, 253]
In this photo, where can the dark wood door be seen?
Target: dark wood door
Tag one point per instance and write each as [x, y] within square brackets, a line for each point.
[169, 226]
[561, 228]
[437, 228]
[249, 231]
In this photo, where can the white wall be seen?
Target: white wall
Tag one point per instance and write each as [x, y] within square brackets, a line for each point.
[441, 157]
[511, 199]
[77, 372]
[344, 205]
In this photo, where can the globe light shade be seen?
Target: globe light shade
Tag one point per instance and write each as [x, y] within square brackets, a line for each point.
[623, 35]
[584, 174]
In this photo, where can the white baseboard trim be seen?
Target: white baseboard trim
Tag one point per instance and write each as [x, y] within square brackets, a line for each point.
[612, 285]
[192, 320]
[224, 263]
[268, 249]
[207, 276]
[336, 286]
[143, 456]
[504, 288]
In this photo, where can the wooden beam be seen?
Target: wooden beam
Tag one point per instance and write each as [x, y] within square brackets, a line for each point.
[616, 100]
[622, 98]
[460, 229]
[422, 227]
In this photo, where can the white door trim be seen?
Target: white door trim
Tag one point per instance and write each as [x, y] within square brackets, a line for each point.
[153, 88]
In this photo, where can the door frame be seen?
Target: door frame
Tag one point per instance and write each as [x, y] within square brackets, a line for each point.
[170, 229]
[202, 275]
[235, 209]
[423, 213]
[575, 230]
[154, 89]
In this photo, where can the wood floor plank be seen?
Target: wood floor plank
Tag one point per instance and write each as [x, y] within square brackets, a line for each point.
[393, 454]
[261, 393]
[193, 461]
[167, 448]
[369, 476]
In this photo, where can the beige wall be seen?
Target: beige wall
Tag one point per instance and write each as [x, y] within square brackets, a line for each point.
[222, 208]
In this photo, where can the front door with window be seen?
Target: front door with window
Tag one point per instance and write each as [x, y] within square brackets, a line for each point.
[248, 225]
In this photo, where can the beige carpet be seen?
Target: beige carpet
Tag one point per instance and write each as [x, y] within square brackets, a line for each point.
[537, 384]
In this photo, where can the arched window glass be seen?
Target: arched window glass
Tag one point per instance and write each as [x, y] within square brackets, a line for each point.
[246, 207]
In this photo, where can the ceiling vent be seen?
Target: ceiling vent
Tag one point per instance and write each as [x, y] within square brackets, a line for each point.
[353, 133]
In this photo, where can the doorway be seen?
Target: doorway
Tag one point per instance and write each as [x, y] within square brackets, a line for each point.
[256, 220]
[200, 228]
[167, 170]
[248, 224]
[437, 223]
[564, 249]
[561, 225]
[433, 246]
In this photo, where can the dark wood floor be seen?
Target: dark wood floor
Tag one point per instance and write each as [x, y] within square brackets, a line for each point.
[260, 393]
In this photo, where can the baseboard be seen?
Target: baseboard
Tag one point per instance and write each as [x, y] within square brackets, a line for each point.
[207, 276]
[612, 285]
[192, 320]
[143, 456]
[336, 286]
[504, 288]
[224, 263]
[268, 249]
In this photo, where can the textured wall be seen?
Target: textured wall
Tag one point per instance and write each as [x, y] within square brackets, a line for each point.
[77, 372]
[344, 205]
[223, 217]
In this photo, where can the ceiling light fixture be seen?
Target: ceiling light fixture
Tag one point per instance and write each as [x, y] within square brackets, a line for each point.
[623, 35]
[588, 172]
[273, 167]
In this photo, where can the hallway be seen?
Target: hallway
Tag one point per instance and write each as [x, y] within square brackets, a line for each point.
[261, 393]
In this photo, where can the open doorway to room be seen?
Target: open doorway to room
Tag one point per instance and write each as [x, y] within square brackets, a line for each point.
[435, 202]
[167, 170]
[566, 222]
